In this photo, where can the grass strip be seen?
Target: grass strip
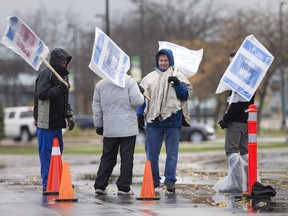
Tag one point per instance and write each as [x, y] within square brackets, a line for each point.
[140, 148]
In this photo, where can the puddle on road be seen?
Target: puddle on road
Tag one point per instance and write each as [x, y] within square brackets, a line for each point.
[199, 194]
[193, 190]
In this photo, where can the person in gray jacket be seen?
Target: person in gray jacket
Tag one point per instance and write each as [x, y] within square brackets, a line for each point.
[115, 118]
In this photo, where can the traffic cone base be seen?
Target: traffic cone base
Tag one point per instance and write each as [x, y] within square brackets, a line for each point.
[55, 170]
[147, 191]
[66, 193]
[148, 198]
[50, 193]
[66, 200]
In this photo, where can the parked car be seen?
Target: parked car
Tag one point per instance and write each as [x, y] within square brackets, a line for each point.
[19, 123]
[197, 132]
[84, 121]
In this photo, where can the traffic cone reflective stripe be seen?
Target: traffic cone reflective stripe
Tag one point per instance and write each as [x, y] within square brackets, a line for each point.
[55, 170]
[56, 150]
[66, 193]
[147, 190]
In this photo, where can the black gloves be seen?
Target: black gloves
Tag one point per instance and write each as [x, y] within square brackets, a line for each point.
[71, 122]
[141, 123]
[63, 87]
[70, 118]
[174, 79]
[142, 90]
[99, 131]
[223, 124]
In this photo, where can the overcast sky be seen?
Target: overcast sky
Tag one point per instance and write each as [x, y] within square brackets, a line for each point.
[87, 9]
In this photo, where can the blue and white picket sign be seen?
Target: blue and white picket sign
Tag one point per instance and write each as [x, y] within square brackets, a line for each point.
[108, 61]
[186, 60]
[23, 41]
[247, 69]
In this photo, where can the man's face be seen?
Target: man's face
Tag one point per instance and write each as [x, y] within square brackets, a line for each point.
[63, 63]
[163, 62]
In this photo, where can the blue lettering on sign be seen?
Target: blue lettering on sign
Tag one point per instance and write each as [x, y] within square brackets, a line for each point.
[11, 30]
[122, 72]
[257, 52]
[10, 33]
[40, 48]
[36, 60]
[111, 60]
[237, 88]
[38, 52]
[98, 48]
[246, 70]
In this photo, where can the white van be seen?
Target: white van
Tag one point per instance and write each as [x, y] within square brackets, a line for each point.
[19, 123]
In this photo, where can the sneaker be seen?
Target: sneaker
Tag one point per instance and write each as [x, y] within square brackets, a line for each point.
[170, 187]
[101, 192]
[156, 185]
[131, 192]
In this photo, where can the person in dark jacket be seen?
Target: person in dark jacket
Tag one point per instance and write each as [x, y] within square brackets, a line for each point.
[236, 143]
[235, 120]
[165, 112]
[51, 108]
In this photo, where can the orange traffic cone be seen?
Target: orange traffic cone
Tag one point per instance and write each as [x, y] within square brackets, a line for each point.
[55, 170]
[147, 191]
[66, 193]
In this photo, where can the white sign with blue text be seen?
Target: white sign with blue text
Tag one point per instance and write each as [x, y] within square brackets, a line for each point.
[23, 41]
[247, 69]
[108, 61]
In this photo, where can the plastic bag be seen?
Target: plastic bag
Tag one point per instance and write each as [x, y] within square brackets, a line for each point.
[236, 180]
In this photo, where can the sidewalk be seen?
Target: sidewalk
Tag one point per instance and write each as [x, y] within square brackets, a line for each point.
[197, 173]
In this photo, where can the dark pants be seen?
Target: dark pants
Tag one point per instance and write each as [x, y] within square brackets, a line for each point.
[236, 138]
[109, 160]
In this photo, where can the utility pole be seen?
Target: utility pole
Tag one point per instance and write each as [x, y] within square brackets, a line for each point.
[283, 93]
[107, 19]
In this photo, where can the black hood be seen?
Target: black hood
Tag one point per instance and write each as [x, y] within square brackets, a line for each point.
[57, 55]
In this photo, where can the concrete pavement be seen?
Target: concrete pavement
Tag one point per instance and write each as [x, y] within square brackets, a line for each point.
[197, 173]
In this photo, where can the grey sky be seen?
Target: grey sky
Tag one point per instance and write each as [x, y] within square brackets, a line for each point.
[88, 8]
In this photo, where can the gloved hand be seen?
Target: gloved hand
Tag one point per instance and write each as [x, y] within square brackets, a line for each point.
[141, 123]
[63, 87]
[142, 90]
[99, 131]
[223, 124]
[174, 79]
[71, 122]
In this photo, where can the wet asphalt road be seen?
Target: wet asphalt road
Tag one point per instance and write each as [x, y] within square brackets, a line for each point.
[21, 194]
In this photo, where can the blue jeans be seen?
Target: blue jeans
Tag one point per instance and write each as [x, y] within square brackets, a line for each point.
[153, 144]
[45, 144]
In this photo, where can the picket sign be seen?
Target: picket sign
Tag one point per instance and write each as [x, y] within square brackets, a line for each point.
[24, 42]
[247, 69]
[108, 60]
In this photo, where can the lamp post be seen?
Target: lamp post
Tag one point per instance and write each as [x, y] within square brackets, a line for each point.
[283, 92]
[107, 19]
[76, 79]
[141, 34]
[103, 20]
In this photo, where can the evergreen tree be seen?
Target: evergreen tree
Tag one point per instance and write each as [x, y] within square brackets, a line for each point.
[1, 122]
